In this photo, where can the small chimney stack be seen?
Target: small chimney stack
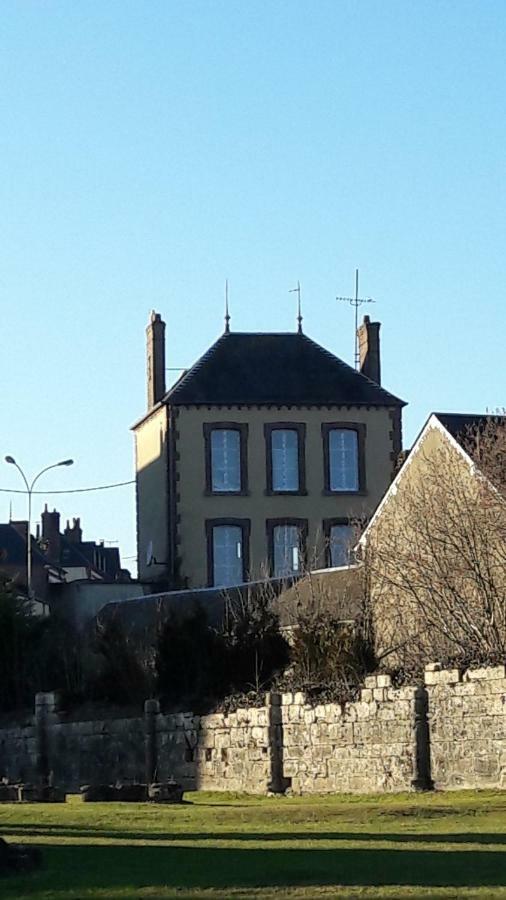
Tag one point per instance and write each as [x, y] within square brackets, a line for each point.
[155, 353]
[74, 534]
[369, 349]
[51, 534]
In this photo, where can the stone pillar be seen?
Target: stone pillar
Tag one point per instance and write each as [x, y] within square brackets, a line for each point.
[46, 705]
[422, 780]
[278, 784]
[151, 710]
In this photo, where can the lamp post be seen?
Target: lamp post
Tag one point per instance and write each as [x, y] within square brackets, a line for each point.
[29, 491]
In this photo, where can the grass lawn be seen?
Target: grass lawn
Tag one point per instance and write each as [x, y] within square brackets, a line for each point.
[233, 846]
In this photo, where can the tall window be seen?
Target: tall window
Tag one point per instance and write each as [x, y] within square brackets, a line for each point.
[344, 458]
[225, 458]
[285, 458]
[227, 549]
[340, 543]
[286, 546]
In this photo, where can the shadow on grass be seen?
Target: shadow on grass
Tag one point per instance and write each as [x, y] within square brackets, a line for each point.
[89, 832]
[74, 868]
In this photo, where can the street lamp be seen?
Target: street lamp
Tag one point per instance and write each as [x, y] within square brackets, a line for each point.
[29, 491]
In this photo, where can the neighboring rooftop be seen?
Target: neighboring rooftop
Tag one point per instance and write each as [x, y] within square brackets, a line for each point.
[284, 368]
[460, 425]
[13, 546]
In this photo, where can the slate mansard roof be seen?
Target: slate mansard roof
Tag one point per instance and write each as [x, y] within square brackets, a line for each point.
[282, 369]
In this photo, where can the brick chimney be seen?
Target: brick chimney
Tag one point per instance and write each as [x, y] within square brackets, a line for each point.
[51, 534]
[74, 534]
[155, 353]
[369, 349]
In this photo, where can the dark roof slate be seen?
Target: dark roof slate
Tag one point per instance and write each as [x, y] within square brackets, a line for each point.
[13, 548]
[283, 369]
[460, 425]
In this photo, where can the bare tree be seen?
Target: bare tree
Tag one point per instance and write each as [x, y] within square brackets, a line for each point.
[436, 557]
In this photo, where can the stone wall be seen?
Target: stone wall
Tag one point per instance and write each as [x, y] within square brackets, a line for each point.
[364, 746]
[18, 752]
[380, 742]
[467, 714]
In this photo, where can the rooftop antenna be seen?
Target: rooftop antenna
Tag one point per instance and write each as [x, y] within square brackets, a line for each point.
[227, 316]
[299, 312]
[356, 301]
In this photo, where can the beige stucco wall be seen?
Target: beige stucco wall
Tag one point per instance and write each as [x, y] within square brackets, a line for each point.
[152, 493]
[389, 543]
[434, 555]
[194, 507]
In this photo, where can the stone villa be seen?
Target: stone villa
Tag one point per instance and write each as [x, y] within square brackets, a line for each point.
[256, 461]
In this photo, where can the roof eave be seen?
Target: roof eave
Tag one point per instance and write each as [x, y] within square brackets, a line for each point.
[176, 401]
[154, 409]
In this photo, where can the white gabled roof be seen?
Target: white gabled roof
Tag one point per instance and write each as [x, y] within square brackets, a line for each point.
[432, 422]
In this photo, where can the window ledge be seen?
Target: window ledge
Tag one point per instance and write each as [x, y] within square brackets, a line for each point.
[361, 493]
[226, 493]
[268, 493]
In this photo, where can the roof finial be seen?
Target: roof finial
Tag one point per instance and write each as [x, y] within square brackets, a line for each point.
[299, 311]
[227, 317]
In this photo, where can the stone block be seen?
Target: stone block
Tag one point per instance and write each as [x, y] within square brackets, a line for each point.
[363, 710]
[386, 712]
[47, 701]
[207, 738]
[286, 699]
[349, 712]
[366, 695]
[299, 698]
[370, 681]
[222, 740]
[380, 694]
[486, 766]
[165, 792]
[215, 720]
[9, 793]
[259, 734]
[290, 768]
[445, 676]
[124, 793]
[490, 673]
[384, 681]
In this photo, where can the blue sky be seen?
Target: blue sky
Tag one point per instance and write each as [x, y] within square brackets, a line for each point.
[151, 150]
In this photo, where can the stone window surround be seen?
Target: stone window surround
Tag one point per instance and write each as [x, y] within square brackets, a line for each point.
[360, 428]
[245, 526]
[300, 428]
[271, 524]
[242, 428]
